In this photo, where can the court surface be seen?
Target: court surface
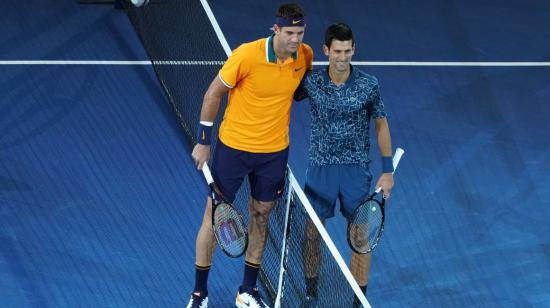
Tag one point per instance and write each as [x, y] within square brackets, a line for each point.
[100, 201]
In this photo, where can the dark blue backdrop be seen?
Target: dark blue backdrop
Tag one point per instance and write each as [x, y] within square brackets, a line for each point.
[100, 201]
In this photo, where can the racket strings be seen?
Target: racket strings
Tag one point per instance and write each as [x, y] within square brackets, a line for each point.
[230, 229]
[366, 226]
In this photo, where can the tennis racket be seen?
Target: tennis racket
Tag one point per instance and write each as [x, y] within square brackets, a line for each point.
[229, 228]
[367, 221]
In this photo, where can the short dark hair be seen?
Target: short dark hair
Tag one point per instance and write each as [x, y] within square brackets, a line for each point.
[290, 11]
[338, 31]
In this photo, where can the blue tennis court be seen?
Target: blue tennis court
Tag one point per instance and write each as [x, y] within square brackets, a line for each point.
[100, 201]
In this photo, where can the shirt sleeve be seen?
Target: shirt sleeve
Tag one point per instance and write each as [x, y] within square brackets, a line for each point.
[301, 91]
[377, 105]
[235, 68]
[309, 57]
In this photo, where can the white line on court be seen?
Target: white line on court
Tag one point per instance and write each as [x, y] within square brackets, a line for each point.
[206, 63]
[71, 62]
[102, 62]
[432, 63]
[216, 27]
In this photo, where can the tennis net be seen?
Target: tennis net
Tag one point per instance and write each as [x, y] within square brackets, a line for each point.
[174, 32]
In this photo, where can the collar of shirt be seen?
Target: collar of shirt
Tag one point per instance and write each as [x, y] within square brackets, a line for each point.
[271, 57]
[348, 82]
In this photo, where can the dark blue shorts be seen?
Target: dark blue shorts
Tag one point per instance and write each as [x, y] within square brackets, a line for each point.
[350, 184]
[266, 172]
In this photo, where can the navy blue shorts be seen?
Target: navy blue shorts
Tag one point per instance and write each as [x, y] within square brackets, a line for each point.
[350, 184]
[266, 172]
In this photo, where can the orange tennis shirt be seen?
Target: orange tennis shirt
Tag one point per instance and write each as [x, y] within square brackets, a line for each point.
[258, 110]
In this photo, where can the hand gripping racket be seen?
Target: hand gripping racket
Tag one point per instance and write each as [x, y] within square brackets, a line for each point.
[229, 228]
[367, 221]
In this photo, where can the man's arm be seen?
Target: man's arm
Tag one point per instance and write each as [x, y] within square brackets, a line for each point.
[383, 136]
[301, 92]
[212, 100]
[209, 111]
[384, 144]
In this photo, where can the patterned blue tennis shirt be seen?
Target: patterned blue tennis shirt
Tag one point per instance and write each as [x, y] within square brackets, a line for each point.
[340, 116]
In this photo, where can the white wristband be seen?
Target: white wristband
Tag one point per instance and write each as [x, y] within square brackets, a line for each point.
[206, 123]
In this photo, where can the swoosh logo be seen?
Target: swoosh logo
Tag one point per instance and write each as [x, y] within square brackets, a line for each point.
[297, 69]
[296, 21]
[240, 299]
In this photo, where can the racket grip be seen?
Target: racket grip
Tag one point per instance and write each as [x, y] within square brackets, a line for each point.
[396, 158]
[207, 174]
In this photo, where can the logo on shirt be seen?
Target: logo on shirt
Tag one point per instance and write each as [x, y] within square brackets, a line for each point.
[297, 69]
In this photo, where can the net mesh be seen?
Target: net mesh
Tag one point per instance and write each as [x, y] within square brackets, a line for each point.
[333, 290]
[185, 52]
[186, 55]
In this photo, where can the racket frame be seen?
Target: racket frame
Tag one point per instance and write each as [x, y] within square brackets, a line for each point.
[396, 158]
[214, 191]
[365, 203]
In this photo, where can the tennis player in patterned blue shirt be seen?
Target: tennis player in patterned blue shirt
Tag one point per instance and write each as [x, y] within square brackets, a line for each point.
[343, 101]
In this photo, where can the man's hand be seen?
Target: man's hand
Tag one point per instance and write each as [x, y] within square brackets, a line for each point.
[386, 182]
[200, 154]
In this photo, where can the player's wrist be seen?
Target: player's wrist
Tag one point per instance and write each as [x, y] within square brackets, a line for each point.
[387, 164]
[203, 132]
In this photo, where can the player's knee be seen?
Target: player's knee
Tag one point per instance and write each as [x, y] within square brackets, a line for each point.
[312, 234]
[262, 208]
[311, 231]
[260, 218]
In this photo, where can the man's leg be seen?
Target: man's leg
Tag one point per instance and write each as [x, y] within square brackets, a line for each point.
[360, 267]
[248, 295]
[322, 192]
[311, 252]
[204, 249]
[357, 181]
[228, 173]
[205, 242]
[267, 183]
[257, 228]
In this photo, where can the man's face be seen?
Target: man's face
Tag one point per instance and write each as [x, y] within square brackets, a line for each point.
[290, 38]
[339, 54]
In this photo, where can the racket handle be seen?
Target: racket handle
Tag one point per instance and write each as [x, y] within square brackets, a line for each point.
[396, 158]
[207, 173]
